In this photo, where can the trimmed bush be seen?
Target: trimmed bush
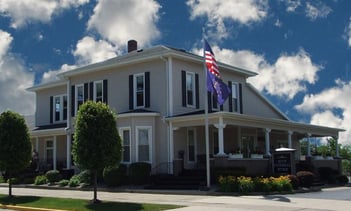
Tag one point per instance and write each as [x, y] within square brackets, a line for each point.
[306, 178]
[115, 176]
[85, 177]
[342, 179]
[53, 176]
[40, 180]
[2, 180]
[74, 181]
[139, 173]
[63, 182]
[294, 181]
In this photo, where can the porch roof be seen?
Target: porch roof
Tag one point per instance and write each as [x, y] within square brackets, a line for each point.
[198, 119]
[49, 130]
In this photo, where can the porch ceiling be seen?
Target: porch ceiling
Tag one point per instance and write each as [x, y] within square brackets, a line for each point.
[253, 121]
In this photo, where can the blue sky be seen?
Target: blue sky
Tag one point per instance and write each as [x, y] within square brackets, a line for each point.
[301, 49]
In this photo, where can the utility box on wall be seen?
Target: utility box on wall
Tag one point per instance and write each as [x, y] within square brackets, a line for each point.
[283, 161]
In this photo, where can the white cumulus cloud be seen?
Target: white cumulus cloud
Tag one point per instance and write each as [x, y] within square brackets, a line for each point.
[23, 12]
[284, 78]
[120, 21]
[317, 10]
[217, 11]
[14, 80]
[87, 51]
[331, 107]
[348, 33]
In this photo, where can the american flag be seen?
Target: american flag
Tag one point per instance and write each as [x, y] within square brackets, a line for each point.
[214, 82]
[210, 60]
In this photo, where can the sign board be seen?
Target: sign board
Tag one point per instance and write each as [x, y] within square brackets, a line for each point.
[283, 162]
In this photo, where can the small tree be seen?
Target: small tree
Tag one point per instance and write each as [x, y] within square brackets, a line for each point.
[96, 140]
[15, 145]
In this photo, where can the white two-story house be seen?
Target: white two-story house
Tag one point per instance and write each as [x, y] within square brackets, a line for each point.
[159, 95]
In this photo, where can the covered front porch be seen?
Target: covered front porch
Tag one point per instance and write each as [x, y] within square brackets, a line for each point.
[236, 140]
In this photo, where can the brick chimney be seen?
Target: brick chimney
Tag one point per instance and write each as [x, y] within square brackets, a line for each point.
[132, 45]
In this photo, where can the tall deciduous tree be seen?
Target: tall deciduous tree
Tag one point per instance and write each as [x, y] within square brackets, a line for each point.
[15, 145]
[97, 143]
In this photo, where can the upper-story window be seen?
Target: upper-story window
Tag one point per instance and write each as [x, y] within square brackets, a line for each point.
[59, 108]
[79, 96]
[98, 91]
[235, 97]
[190, 89]
[139, 90]
[214, 102]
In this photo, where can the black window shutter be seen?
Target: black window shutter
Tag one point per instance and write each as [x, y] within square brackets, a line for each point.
[73, 96]
[241, 97]
[91, 91]
[86, 90]
[131, 93]
[197, 90]
[230, 101]
[209, 101]
[183, 88]
[147, 89]
[51, 109]
[104, 91]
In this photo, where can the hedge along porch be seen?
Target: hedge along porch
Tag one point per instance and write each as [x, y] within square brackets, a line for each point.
[236, 140]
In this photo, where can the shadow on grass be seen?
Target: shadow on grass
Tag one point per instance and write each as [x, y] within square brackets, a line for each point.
[6, 200]
[114, 206]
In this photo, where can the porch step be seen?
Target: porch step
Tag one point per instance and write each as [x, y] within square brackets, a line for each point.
[188, 180]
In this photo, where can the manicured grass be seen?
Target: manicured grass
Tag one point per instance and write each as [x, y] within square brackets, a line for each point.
[77, 204]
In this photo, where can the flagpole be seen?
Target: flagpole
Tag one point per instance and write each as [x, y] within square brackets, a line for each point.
[206, 125]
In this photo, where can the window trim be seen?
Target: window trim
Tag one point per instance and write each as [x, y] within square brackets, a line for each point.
[62, 117]
[237, 104]
[135, 91]
[95, 90]
[76, 96]
[121, 130]
[192, 74]
[149, 129]
[49, 148]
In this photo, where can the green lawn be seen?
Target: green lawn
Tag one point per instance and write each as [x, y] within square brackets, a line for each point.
[77, 204]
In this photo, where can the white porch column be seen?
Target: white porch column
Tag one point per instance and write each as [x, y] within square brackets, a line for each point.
[289, 139]
[220, 126]
[309, 144]
[267, 131]
[54, 154]
[68, 150]
[171, 148]
[337, 147]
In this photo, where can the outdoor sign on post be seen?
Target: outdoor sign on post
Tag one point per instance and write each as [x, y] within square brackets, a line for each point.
[284, 161]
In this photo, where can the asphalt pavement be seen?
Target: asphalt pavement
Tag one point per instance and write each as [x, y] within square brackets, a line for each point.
[337, 198]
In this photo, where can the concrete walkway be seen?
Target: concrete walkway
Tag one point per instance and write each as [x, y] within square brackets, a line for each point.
[329, 199]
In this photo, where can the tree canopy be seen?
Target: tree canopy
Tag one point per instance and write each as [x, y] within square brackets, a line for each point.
[97, 143]
[15, 150]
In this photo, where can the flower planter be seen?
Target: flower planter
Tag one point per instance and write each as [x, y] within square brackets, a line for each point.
[318, 157]
[256, 156]
[236, 156]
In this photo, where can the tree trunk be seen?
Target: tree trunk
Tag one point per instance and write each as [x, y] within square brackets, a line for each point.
[10, 184]
[95, 200]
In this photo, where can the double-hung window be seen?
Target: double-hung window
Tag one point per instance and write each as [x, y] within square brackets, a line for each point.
[143, 136]
[79, 96]
[126, 144]
[60, 108]
[98, 91]
[139, 92]
[190, 89]
[49, 151]
[235, 97]
[191, 145]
